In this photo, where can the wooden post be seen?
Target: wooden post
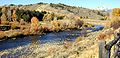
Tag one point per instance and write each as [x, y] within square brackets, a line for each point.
[102, 49]
[107, 53]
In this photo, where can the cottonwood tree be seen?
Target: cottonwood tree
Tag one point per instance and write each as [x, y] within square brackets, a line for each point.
[4, 14]
[14, 16]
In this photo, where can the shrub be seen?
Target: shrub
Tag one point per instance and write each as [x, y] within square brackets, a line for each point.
[115, 22]
[3, 17]
[40, 3]
[5, 22]
[101, 36]
[56, 25]
[12, 5]
[14, 15]
[116, 12]
[26, 17]
[102, 19]
[48, 17]
[0, 13]
[34, 24]
[20, 5]
[79, 23]
[2, 34]
[60, 17]
[14, 25]
[78, 39]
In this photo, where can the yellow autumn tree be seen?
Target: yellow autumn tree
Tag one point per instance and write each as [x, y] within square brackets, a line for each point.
[34, 24]
[4, 17]
[14, 16]
[116, 12]
[115, 22]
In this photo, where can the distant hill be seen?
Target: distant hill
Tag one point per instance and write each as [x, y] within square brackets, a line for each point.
[65, 10]
[109, 10]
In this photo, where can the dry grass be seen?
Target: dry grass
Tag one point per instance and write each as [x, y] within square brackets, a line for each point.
[2, 35]
[57, 25]
[5, 22]
[35, 27]
[14, 24]
[114, 25]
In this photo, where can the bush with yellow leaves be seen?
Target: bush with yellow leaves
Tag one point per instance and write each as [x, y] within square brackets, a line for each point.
[115, 22]
[116, 12]
[34, 24]
[56, 25]
[79, 23]
[14, 25]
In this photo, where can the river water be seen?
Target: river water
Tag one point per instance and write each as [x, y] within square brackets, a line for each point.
[42, 39]
[53, 37]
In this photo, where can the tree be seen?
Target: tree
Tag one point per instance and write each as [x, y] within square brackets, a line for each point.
[115, 23]
[34, 24]
[116, 12]
[12, 5]
[40, 3]
[26, 17]
[0, 13]
[20, 5]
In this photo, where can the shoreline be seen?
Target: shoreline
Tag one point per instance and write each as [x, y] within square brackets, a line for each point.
[15, 34]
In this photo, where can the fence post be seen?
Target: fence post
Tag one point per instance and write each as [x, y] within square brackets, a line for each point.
[107, 53]
[109, 45]
[102, 49]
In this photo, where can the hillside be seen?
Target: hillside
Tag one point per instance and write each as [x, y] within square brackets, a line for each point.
[52, 31]
[63, 9]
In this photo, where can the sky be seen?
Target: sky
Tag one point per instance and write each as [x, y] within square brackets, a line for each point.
[81, 3]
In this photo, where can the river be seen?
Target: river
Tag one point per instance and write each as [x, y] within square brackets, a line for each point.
[24, 42]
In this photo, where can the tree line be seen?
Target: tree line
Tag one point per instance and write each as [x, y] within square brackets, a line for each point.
[9, 14]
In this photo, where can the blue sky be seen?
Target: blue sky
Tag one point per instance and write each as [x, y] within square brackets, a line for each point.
[83, 3]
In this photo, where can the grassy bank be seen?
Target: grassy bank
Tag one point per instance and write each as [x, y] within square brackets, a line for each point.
[27, 29]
